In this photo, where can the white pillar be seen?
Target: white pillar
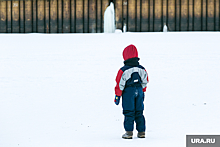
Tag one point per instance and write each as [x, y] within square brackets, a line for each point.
[109, 19]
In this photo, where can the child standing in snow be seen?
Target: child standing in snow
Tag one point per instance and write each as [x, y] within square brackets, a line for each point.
[132, 81]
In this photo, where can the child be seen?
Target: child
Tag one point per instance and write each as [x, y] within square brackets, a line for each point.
[132, 81]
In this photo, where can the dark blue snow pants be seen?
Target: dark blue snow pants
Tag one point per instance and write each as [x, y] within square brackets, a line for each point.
[133, 106]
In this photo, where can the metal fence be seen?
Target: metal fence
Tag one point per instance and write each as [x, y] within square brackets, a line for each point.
[87, 16]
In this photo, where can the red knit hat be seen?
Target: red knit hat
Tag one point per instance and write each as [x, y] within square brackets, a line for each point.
[130, 52]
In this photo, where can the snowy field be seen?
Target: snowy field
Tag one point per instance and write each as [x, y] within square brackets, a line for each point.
[58, 90]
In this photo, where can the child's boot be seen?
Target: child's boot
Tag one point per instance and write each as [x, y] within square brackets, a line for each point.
[128, 135]
[141, 135]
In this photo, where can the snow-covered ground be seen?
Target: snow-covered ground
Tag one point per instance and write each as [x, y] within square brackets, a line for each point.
[58, 90]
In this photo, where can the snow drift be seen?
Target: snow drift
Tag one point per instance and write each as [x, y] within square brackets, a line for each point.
[58, 90]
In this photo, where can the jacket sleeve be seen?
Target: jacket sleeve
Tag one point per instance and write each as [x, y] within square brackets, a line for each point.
[118, 91]
[146, 79]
